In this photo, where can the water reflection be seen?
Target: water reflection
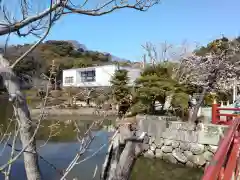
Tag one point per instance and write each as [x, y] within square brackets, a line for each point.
[155, 169]
[60, 154]
[62, 147]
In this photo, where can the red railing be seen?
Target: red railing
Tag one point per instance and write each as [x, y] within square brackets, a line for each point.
[225, 163]
[216, 115]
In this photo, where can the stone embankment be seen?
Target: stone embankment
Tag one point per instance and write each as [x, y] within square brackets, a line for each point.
[178, 142]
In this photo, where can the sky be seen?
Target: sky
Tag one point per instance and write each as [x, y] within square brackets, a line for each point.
[122, 32]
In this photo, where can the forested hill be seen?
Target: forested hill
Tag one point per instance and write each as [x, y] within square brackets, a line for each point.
[67, 54]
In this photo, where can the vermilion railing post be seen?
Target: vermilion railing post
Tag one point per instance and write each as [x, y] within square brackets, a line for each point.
[225, 163]
[221, 174]
[215, 113]
[231, 165]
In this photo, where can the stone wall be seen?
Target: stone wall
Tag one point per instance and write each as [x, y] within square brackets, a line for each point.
[179, 142]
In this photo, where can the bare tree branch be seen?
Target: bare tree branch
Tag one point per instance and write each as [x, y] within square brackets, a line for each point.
[109, 6]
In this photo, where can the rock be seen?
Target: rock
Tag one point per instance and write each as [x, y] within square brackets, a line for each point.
[145, 146]
[184, 146]
[208, 155]
[138, 150]
[212, 148]
[181, 164]
[190, 164]
[159, 153]
[179, 156]
[188, 154]
[175, 144]
[149, 154]
[167, 149]
[199, 160]
[153, 147]
[169, 158]
[124, 134]
[151, 140]
[197, 148]
[168, 142]
[159, 142]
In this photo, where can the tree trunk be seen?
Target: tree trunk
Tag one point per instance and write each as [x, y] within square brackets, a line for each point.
[152, 107]
[167, 103]
[23, 115]
[126, 162]
[194, 113]
[119, 163]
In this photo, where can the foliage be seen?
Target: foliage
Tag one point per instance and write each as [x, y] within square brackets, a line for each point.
[137, 108]
[220, 96]
[120, 89]
[215, 67]
[215, 46]
[101, 99]
[63, 52]
[155, 84]
[180, 100]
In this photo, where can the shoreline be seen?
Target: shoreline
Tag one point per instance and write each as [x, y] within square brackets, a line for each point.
[82, 113]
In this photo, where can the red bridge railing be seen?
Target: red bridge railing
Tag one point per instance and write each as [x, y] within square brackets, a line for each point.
[225, 163]
[216, 114]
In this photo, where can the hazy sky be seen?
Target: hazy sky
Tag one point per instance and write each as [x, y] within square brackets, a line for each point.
[122, 33]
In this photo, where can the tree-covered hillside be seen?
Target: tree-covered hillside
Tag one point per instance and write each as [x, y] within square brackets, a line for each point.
[66, 54]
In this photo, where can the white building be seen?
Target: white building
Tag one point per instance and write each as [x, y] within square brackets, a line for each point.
[98, 76]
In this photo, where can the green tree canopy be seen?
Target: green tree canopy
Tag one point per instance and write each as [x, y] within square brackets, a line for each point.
[155, 84]
[121, 90]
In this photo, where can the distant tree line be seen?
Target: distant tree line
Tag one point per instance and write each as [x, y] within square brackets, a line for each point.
[64, 53]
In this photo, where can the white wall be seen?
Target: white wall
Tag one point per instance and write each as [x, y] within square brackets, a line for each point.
[69, 73]
[103, 75]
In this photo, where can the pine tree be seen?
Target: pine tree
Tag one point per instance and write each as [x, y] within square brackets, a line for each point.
[121, 91]
[155, 84]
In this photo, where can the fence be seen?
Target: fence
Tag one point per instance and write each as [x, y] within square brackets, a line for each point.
[216, 114]
[225, 163]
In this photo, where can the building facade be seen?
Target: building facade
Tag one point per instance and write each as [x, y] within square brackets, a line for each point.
[98, 76]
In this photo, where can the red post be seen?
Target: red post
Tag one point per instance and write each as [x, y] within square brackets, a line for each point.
[232, 160]
[216, 168]
[215, 114]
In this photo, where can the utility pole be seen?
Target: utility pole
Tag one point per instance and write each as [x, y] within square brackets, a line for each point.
[144, 61]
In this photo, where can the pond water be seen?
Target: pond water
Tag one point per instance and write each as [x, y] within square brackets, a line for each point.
[156, 169]
[61, 149]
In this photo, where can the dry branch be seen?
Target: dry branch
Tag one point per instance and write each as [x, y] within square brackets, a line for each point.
[61, 7]
[32, 22]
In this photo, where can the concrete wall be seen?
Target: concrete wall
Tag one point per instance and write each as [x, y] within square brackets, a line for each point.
[178, 142]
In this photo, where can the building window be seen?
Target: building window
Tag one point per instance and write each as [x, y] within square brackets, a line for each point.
[68, 80]
[88, 76]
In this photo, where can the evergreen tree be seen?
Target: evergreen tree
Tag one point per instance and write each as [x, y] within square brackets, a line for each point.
[121, 90]
[155, 84]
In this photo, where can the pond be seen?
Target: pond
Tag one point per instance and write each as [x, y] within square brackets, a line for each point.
[62, 148]
[155, 169]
